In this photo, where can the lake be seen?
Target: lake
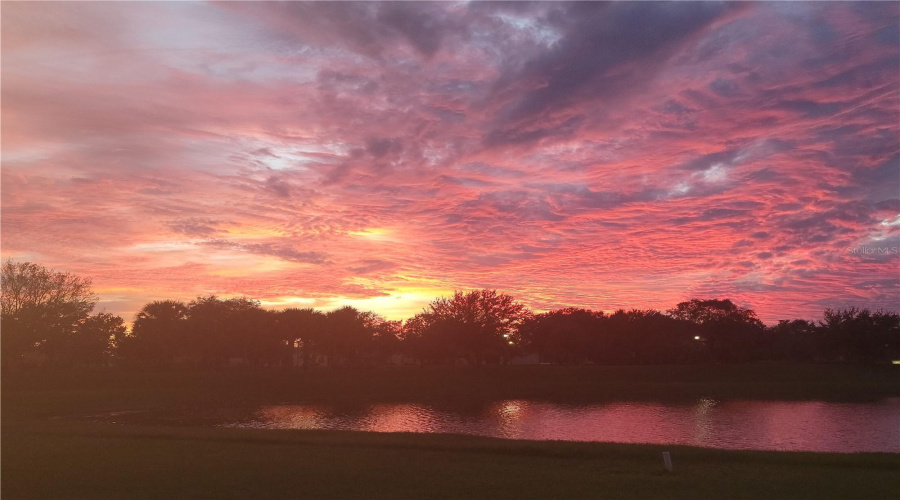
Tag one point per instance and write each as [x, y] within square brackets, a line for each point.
[762, 425]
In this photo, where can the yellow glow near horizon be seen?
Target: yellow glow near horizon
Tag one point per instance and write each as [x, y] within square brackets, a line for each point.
[285, 302]
[402, 304]
[373, 233]
[249, 265]
[116, 289]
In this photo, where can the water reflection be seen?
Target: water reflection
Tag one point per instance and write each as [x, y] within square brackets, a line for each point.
[809, 426]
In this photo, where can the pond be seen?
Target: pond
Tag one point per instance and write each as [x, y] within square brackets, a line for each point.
[763, 425]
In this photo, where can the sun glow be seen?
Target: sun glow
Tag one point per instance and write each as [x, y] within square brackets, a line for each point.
[374, 233]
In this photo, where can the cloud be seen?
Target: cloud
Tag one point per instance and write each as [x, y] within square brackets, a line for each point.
[196, 227]
[627, 154]
[279, 250]
[599, 40]
[278, 186]
[367, 266]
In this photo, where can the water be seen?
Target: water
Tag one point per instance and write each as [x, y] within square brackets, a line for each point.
[762, 425]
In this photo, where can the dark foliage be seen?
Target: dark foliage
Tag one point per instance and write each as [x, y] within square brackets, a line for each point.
[46, 316]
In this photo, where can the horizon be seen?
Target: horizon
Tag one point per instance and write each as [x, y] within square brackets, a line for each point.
[632, 155]
[607, 312]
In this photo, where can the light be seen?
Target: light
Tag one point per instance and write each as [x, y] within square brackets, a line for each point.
[696, 337]
[511, 342]
[506, 335]
[895, 362]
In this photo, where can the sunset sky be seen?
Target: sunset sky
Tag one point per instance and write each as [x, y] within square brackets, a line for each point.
[381, 155]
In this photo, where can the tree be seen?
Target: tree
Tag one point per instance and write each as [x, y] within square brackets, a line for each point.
[217, 330]
[647, 337]
[421, 338]
[303, 329]
[732, 333]
[563, 336]
[385, 338]
[157, 336]
[41, 308]
[94, 337]
[349, 334]
[794, 340]
[479, 325]
[860, 335]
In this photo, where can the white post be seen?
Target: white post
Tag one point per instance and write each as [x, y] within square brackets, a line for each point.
[667, 461]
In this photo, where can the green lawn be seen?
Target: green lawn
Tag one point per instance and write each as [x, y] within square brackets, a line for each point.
[66, 460]
[47, 454]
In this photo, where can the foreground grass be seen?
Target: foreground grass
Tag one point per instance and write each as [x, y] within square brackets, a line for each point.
[76, 460]
[48, 454]
[42, 394]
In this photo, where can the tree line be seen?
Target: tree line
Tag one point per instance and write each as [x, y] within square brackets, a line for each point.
[48, 319]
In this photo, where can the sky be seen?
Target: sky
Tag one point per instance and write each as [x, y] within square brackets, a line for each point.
[624, 155]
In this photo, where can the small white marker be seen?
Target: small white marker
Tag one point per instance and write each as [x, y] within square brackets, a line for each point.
[667, 461]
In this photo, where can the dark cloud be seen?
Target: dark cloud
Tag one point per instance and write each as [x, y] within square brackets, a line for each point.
[372, 29]
[379, 146]
[708, 160]
[721, 213]
[881, 182]
[367, 266]
[278, 186]
[283, 251]
[195, 227]
[424, 25]
[811, 109]
[866, 75]
[598, 39]
[724, 87]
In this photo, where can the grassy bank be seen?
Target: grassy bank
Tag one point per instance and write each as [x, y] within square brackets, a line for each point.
[41, 394]
[48, 454]
[69, 460]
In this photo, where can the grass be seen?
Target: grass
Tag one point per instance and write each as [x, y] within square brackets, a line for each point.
[47, 454]
[75, 460]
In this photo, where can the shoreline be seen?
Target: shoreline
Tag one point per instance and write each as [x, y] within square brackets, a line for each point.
[39, 394]
[64, 458]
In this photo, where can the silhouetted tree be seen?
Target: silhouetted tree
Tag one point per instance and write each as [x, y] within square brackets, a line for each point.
[860, 335]
[733, 333]
[563, 336]
[794, 340]
[45, 311]
[385, 339]
[92, 341]
[423, 338]
[304, 330]
[649, 337]
[157, 336]
[478, 325]
[254, 338]
[349, 334]
[217, 330]
[41, 309]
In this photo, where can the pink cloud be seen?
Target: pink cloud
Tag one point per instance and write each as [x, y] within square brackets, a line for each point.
[340, 153]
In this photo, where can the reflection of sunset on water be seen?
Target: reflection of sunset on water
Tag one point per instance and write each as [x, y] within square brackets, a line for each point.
[398, 418]
[511, 418]
[806, 426]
